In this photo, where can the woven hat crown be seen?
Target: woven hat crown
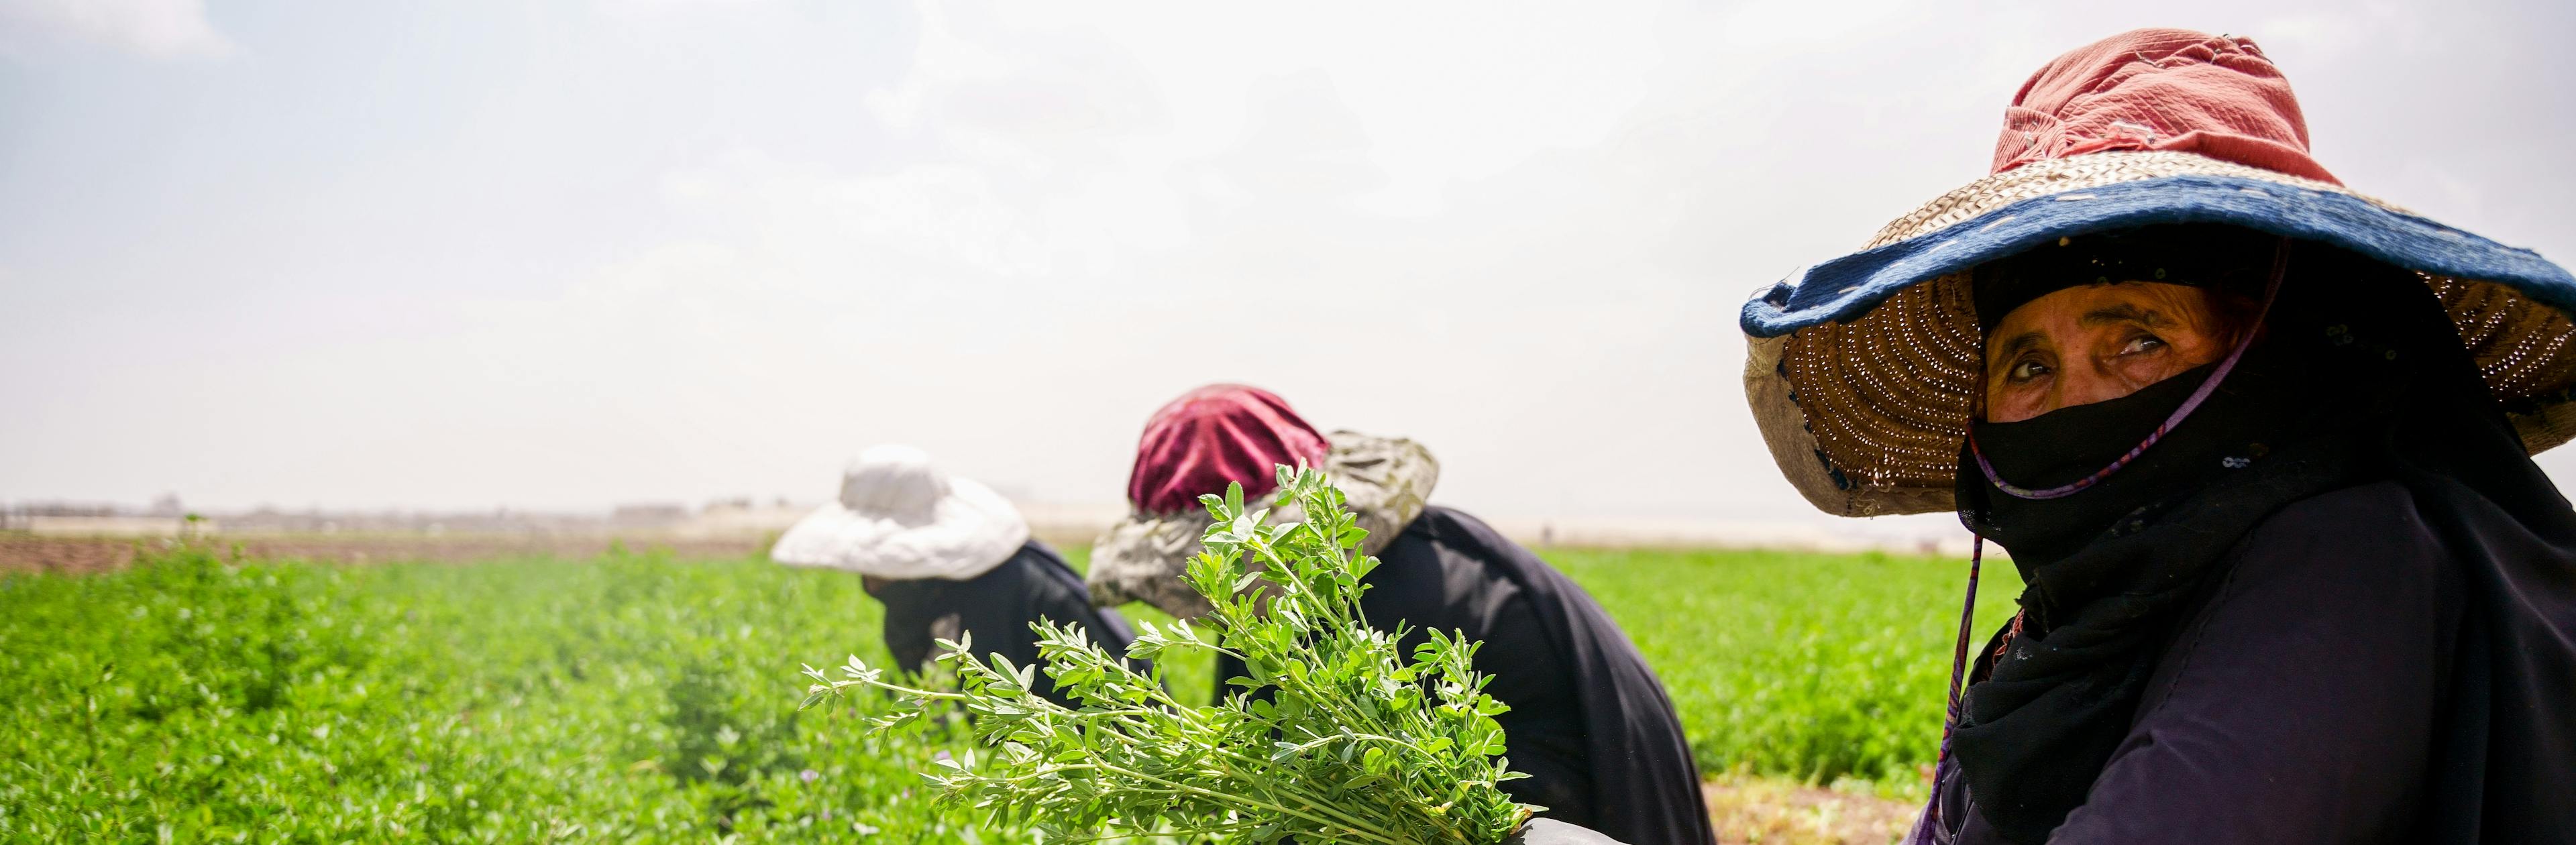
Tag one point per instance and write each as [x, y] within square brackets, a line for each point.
[894, 482]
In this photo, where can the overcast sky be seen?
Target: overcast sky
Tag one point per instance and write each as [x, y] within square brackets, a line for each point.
[562, 255]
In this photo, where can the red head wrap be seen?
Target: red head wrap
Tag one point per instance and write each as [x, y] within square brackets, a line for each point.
[2160, 89]
[1213, 435]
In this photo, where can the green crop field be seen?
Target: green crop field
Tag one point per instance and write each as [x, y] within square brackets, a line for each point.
[197, 698]
[1819, 667]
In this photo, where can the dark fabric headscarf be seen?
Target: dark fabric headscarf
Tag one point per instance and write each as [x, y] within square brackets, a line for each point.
[2357, 376]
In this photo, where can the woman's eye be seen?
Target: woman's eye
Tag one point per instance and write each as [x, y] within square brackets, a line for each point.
[2025, 370]
[2142, 343]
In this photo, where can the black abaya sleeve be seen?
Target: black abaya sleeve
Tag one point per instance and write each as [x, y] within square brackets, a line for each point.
[996, 609]
[1054, 592]
[1544, 731]
[1644, 785]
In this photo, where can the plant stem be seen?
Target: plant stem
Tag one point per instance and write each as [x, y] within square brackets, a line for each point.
[1371, 831]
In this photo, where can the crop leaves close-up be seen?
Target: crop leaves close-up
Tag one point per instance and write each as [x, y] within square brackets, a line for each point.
[1335, 736]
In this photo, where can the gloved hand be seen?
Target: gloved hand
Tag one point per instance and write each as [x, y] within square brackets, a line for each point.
[1553, 832]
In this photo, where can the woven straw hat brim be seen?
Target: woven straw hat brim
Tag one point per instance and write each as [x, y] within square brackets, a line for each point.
[1385, 482]
[970, 531]
[1860, 370]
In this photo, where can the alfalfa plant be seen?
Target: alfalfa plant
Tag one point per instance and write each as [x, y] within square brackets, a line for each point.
[1353, 742]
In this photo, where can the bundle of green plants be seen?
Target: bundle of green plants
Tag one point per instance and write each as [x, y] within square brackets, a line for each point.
[1336, 736]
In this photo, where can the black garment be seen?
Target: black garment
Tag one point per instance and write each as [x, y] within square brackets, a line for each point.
[1589, 721]
[2296, 702]
[996, 608]
[2359, 382]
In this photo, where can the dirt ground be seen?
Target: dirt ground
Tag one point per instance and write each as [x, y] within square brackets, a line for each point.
[1755, 811]
[77, 555]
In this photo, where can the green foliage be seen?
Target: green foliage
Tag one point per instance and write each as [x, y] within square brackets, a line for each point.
[1818, 667]
[198, 698]
[1349, 741]
[203, 698]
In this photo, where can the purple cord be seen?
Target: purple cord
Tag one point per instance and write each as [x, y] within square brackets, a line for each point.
[1927, 828]
[2280, 266]
[1967, 619]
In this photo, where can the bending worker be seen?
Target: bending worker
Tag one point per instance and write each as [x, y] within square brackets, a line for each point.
[1588, 721]
[948, 558]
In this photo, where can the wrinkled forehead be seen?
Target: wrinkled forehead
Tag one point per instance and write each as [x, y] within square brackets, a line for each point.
[2108, 306]
[2095, 303]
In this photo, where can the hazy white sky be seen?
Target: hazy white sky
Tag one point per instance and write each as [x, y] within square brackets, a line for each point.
[560, 255]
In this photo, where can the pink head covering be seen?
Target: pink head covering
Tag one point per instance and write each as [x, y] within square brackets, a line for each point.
[2160, 89]
[1214, 435]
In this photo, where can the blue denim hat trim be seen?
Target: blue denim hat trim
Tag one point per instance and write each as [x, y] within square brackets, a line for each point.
[1847, 287]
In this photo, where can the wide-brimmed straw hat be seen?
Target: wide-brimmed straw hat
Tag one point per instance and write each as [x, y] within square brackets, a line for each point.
[1227, 433]
[1861, 369]
[900, 518]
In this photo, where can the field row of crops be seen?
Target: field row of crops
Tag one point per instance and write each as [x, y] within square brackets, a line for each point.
[636, 697]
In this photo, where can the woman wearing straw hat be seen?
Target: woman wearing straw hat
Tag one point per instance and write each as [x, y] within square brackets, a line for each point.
[949, 558]
[2259, 446]
[1588, 721]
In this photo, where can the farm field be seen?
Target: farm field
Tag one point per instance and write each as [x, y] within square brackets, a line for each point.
[642, 697]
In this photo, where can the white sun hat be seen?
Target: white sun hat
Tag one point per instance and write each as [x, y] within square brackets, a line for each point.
[900, 518]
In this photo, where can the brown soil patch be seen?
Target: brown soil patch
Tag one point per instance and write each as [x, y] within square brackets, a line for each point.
[1754, 811]
[25, 553]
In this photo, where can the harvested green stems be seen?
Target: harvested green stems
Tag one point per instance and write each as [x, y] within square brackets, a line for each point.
[1349, 741]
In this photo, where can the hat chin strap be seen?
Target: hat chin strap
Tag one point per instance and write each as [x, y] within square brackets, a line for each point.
[2271, 290]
